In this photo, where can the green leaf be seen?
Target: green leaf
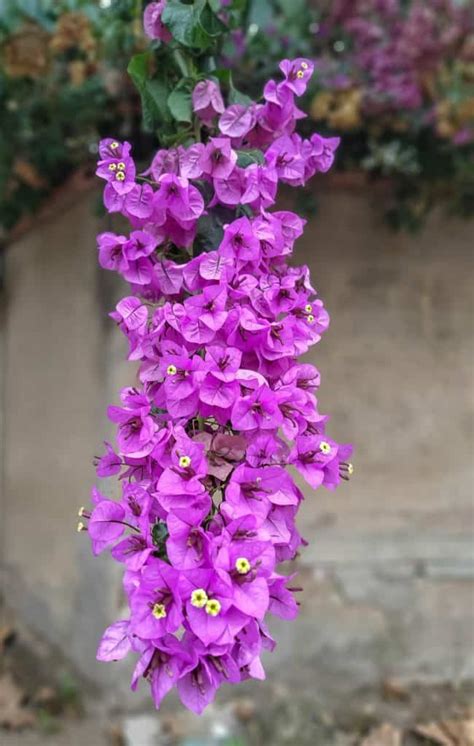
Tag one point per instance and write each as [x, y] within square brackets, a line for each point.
[157, 91]
[138, 69]
[195, 25]
[154, 93]
[210, 229]
[209, 234]
[261, 13]
[159, 534]
[205, 188]
[237, 97]
[293, 8]
[224, 77]
[180, 105]
[247, 157]
[13, 11]
[210, 22]
[183, 23]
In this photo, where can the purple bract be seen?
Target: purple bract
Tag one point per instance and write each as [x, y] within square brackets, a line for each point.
[222, 407]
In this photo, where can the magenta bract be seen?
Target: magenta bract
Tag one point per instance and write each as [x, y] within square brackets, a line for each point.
[223, 406]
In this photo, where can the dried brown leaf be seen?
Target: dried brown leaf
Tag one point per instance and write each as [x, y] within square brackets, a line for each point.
[7, 637]
[25, 53]
[432, 732]
[394, 690]
[115, 736]
[244, 709]
[28, 173]
[448, 732]
[12, 713]
[386, 735]
[464, 730]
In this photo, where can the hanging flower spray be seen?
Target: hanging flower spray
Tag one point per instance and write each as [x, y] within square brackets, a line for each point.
[217, 318]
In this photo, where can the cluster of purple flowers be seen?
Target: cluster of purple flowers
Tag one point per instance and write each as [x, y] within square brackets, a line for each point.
[223, 406]
[406, 58]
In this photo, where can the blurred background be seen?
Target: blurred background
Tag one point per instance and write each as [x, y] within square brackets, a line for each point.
[383, 651]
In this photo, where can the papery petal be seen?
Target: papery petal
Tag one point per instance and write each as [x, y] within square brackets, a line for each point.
[115, 643]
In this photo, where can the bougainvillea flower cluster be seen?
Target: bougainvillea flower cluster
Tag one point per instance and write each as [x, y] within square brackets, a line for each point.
[223, 406]
[404, 59]
[395, 77]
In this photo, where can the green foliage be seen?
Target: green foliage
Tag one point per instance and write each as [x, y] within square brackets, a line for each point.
[52, 116]
[159, 534]
[193, 25]
[424, 169]
[166, 76]
[247, 157]
[180, 104]
[261, 13]
[153, 92]
[226, 80]
[55, 103]
[210, 230]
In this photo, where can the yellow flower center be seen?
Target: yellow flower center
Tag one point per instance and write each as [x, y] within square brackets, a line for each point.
[213, 607]
[114, 145]
[199, 598]
[159, 611]
[304, 65]
[80, 512]
[184, 462]
[300, 74]
[112, 166]
[308, 308]
[242, 565]
[121, 166]
[80, 527]
[171, 370]
[324, 447]
[350, 469]
[120, 176]
[310, 318]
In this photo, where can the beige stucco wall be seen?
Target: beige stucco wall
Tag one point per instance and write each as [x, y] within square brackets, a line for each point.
[390, 559]
[60, 368]
[388, 572]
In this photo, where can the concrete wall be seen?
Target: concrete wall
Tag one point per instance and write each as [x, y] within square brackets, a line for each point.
[61, 366]
[389, 569]
[388, 572]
